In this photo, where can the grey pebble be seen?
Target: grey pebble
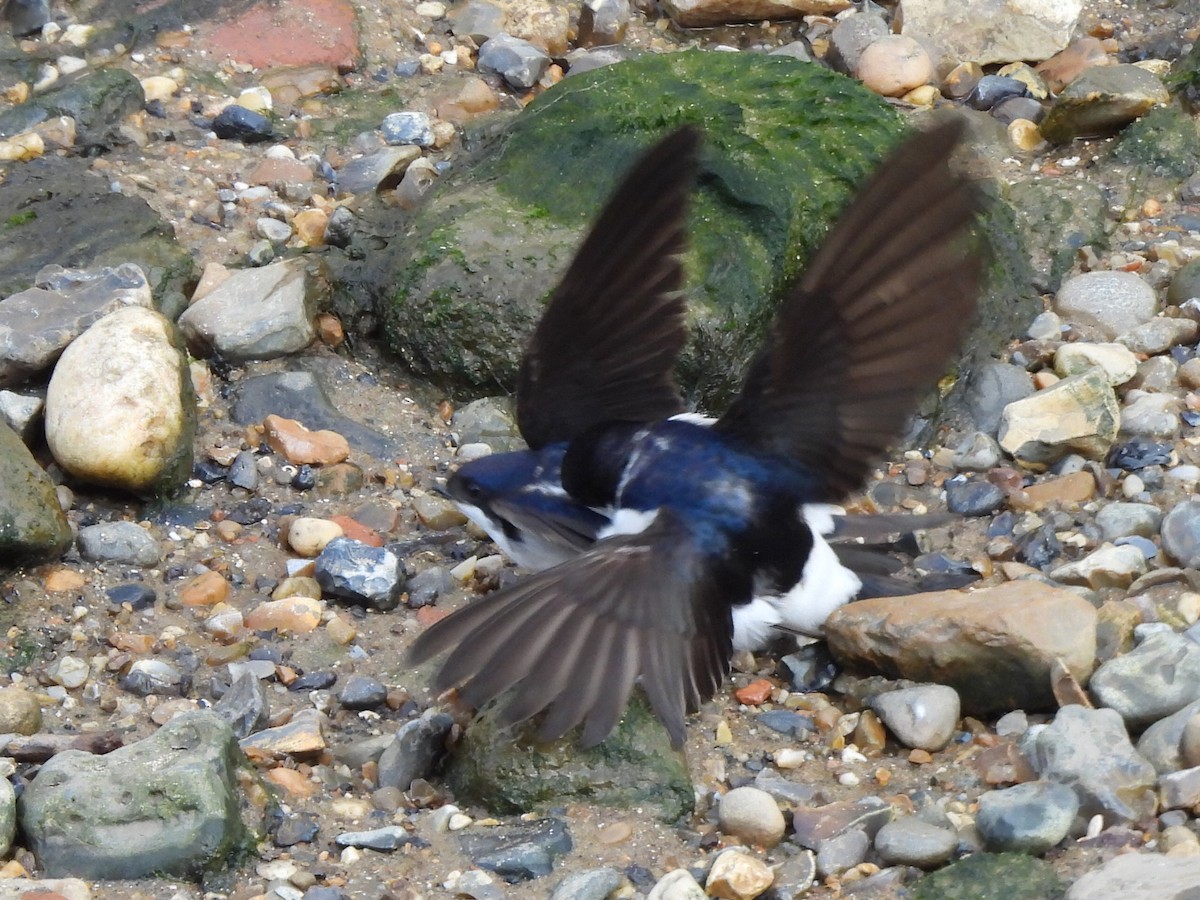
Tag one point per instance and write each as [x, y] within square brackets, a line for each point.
[390, 837]
[273, 230]
[1028, 818]
[911, 842]
[592, 884]
[361, 692]
[1112, 302]
[517, 61]
[922, 717]
[973, 498]
[518, 852]
[976, 452]
[244, 471]
[752, 815]
[1181, 533]
[408, 128]
[841, 852]
[1118, 520]
[418, 746]
[356, 573]
[120, 542]
[1158, 677]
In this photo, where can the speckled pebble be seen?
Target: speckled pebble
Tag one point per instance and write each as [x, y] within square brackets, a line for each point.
[923, 717]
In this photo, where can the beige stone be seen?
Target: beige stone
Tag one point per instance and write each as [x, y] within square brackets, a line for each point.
[894, 65]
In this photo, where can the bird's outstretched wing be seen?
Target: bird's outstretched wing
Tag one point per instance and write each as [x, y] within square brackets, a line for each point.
[607, 343]
[873, 322]
[574, 639]
[554, 517]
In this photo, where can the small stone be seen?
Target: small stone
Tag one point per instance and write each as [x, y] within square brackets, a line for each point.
[894, 65]
[591, 884]
[1029, 818]
[273, 230]
[751, 815]
[300, 737]
[300, 446]
[310, 225]
[1118, 520]
[1139, 876]
[1102, 100]
[408, 128]
[755, 693]
[361, 692]
[1107, 566]
[123, 542]
[236, 123]
[207, 589]
[295, 615]
[19, 712]
[738, 876]
[309, 536]
[923, 717]
[1181, 533]
[517, 61]
[385, 839]
[1117, 361]
[677, 884]
[909, 841]
[1179, 790]
[360, 574]
[973, 498]
[1159, 335]
[1157, 678]
[437, 513]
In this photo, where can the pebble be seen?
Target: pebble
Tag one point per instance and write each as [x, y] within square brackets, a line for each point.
[273, 230]
[1139, 876]
[1111, 302]
[924, 716]
[308, 536]
[894, 64]
[517, 61]
[236, 123]
[1181, 533]
[386, 839]
[20, 712]
[909, 841]
[677, 884]
[973, 498]
[120, 542]
[1077, 415]
[360, 574]
[1157, 678]
[591, 884]
[518, 852]
[408, 128]
[1028, 818]
[738, 876]
[751, 815]
[976, 452]
[360, 692]
[300, 446]
[1106, 566]
[295, 615]
[1118, 361]
[1117, 520]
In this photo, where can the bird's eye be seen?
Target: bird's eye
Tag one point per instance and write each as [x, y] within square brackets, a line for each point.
[474, 490]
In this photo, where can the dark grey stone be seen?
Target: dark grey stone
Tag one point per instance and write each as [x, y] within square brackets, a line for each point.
[518, 852]
[1027, 818]
[415, 752]
[360, 692]
[356, 573]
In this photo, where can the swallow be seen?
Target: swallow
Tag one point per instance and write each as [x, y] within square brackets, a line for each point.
[663, 542]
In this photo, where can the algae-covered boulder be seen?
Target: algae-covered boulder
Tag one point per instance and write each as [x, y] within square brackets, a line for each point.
[32, 524]
[786, 144]
[512, 772]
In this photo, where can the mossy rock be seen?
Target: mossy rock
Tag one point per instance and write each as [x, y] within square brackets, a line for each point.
[33, 527]
[992, 876]
[786, 145]
[1164, 142]
[1060, 216]
[510, 771]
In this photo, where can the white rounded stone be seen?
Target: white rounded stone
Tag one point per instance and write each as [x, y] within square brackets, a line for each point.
[118, 408]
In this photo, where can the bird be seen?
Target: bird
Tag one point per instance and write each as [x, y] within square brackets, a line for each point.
[663, 541]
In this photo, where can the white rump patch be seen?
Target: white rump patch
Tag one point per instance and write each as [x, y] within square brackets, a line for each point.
[628, 521]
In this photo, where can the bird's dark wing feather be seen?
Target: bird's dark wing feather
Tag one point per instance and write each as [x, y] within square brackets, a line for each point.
[572, 640]
[557, 519]
[607, 343]
[871, 325]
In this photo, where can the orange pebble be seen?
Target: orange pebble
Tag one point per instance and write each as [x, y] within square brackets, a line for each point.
[755, 693]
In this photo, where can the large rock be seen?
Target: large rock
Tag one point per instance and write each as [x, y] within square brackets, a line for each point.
[474, 268]
[1077, 415]
[511, 772]
[55, 212]
[997, 646]
[993, 31]
[706, 13]
[1089, 751]
[32, 524]
[119, 408]
[98, 101]
[168, 805]
[257, 313]
[37, 324]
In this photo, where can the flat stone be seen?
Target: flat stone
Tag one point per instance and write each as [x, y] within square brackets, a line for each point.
[996, 646]
[300, 33]
[258, 313]
[1140, 876]
[517, 61]
[122, 542]
[706, 13]
[1154, 416]
[995, 33]
[1089, 751]
[1159, 335]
